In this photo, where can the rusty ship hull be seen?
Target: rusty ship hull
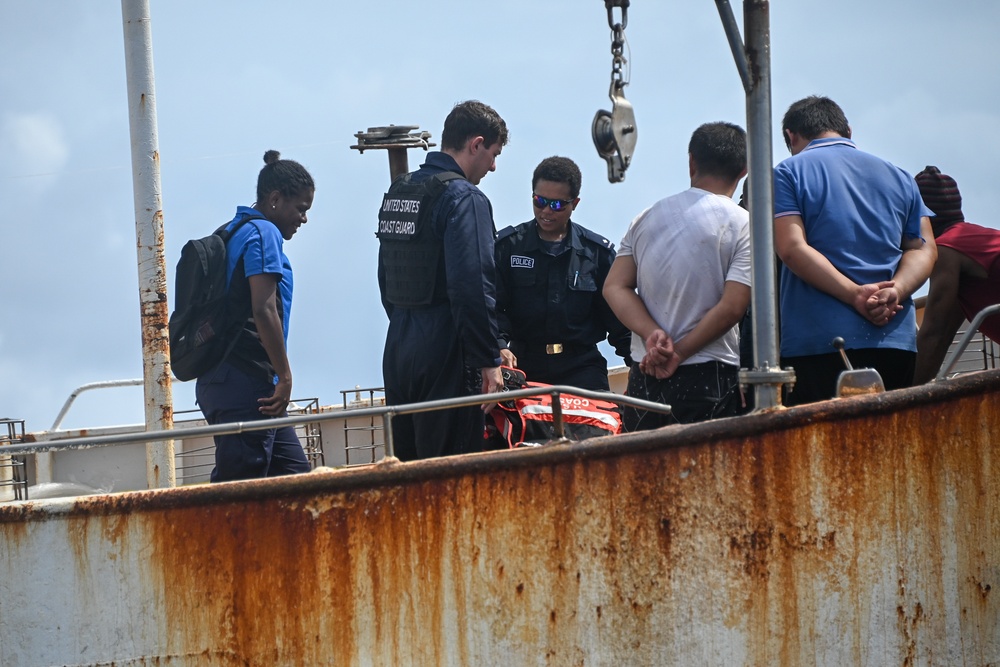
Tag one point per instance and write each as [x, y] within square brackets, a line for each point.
[861, 531]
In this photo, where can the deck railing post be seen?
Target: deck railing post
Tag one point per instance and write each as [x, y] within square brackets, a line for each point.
[390, 449]
[557, 416]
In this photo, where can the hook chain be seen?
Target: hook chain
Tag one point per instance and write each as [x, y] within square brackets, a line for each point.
[618, 41]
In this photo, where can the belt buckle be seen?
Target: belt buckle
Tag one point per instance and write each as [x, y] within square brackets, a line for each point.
[554, 348]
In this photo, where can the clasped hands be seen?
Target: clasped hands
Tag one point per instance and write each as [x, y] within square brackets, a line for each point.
[878, 302]
[661, 360]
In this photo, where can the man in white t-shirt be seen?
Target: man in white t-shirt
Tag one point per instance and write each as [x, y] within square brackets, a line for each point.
[681, 283]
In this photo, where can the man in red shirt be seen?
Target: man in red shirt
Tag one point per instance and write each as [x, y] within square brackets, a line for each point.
[965, 278]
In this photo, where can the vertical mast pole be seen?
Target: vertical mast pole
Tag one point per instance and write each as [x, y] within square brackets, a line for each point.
[753, 62]
[768, 374]
[157, 391]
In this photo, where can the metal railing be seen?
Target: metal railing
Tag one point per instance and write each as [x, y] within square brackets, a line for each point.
[195, 464]
[966, 338]
[109, 384]
[13, 469]
[386, 413]
[371, 428]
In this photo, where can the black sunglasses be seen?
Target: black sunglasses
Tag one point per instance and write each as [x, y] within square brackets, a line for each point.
[555, 204]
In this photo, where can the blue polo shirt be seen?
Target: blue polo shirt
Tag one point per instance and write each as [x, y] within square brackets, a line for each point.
[260, 244]
[857, 209]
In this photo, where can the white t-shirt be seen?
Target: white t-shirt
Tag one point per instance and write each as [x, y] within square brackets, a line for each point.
[685, 248]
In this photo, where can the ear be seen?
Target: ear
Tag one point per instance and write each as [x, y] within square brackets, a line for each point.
[475, 143]
[849, 132]
[692, 167]
[273, 199]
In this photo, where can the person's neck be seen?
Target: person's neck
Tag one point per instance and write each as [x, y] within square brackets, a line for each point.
[714, 184]
[829, 134]
[460, 157]
[553, 237]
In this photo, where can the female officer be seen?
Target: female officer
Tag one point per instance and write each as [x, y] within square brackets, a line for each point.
[550, 273]
[254, 380]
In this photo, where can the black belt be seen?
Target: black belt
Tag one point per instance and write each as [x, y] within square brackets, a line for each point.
[553, 348]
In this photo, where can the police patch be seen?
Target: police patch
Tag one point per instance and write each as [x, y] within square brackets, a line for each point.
[521, 262]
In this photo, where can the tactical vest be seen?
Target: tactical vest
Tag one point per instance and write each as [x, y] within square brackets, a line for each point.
[409, 250]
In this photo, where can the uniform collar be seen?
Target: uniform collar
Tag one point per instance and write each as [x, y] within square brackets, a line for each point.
[443, 161]
[533, 241]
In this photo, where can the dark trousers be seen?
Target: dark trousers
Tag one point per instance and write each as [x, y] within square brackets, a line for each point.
[423, 361]
[226, 395]
[584, 367]
[816, 374]
[695, 393]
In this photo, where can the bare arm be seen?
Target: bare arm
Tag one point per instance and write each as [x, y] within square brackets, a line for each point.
[942, 316]
[914, 267]
[719, 319]
[815, 269]
[264, 302]
[619, 292]
[722, 317]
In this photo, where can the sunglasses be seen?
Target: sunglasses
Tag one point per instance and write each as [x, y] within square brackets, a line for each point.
[554, 204]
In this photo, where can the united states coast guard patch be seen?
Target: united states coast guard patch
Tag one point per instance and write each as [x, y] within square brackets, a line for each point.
[399, 217]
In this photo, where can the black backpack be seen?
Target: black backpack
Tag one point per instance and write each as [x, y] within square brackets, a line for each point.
[203, 328]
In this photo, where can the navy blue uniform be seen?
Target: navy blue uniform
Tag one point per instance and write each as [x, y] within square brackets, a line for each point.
[436, 351]
[547, 303]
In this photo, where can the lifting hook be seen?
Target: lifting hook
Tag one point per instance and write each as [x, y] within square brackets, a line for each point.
[614, 131]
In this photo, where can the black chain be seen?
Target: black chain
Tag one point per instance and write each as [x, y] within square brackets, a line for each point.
[618, 42]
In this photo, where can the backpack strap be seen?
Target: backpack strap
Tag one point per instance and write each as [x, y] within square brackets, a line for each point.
[225, 235]
[440, 185]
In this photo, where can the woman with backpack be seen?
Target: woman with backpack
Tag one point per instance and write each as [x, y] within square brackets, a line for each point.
[254, 380]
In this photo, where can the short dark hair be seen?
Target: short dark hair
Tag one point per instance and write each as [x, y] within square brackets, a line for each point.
[471, 119]
[812, 116]
[286, 176]
[559, 170]
[719, 149]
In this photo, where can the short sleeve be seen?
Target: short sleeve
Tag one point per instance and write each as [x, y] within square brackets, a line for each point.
[785, 200]
[262, 252]
[627, 245]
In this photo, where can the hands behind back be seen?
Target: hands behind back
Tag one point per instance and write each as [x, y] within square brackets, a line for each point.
[661, 360]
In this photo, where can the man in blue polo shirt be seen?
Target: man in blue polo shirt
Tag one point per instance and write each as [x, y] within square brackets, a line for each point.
[856, 242]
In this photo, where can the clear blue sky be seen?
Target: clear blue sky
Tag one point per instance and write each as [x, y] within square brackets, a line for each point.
[917, 79]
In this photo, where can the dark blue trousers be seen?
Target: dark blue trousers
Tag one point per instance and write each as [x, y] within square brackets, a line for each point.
[227, 394]
[423, 361]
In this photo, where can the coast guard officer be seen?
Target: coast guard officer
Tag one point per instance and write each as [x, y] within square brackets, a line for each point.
[550, 275]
